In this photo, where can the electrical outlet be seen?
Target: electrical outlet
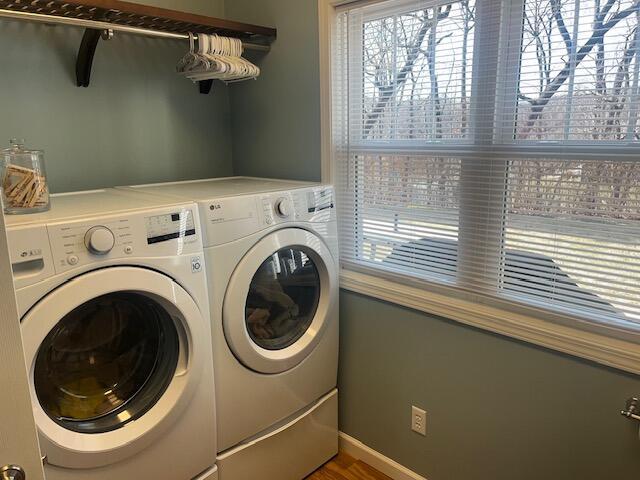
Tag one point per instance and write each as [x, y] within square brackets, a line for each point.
[418, 420]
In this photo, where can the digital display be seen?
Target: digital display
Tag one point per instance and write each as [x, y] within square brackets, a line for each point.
[162, 228]
[319, 200]
[170, 236]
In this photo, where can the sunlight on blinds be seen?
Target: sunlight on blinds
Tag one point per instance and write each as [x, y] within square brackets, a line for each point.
[446, 117]
[407, 210]
[572, 235]
[416, 73]
[579, 71]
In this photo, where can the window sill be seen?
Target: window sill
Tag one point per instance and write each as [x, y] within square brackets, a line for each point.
[612, 352]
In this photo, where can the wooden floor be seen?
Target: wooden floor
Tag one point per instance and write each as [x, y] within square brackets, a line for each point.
[345, 467]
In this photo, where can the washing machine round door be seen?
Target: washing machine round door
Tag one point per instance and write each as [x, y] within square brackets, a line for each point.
[114, 357]
[278, 301]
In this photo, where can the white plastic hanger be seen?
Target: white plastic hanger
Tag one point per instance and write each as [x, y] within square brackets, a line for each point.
[189, 57]
[217, 58]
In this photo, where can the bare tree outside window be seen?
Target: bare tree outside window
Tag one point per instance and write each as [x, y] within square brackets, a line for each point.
[417, 74]
[571, 226]
[579, 70]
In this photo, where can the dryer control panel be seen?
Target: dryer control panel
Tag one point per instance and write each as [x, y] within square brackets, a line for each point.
[38, 250]
[228, 219]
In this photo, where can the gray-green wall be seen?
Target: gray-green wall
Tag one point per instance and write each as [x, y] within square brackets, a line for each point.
[275, 119]
[498, 409]
[137, 122]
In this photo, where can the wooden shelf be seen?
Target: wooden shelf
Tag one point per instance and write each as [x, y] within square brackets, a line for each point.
[105, 16]
[142, 16]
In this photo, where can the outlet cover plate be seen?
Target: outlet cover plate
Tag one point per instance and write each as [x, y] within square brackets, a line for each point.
[418, 420]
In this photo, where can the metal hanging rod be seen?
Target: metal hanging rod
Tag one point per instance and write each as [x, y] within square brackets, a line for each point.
[95, 30]
[98, 25]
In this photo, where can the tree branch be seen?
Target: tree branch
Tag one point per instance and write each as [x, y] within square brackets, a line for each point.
[557, 15]
[541, 102]
[526, 98]
[387, 92]
[606, 8]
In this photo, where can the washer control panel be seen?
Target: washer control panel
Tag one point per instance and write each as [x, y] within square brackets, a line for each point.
[159, 233]
[170, 226]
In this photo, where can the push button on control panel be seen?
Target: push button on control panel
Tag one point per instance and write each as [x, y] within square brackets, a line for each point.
[266, 209]
[73, 259]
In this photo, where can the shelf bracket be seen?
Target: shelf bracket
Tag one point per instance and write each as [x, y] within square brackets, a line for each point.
[88, 46]
[205, 86]
[87, 50]
[101, 18]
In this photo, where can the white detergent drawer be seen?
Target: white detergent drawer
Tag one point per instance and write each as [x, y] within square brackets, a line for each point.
[289, 452]
[211, 474]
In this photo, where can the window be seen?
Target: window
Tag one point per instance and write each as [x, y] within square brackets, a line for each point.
[492, 148]
[416, 72]
[578, 76]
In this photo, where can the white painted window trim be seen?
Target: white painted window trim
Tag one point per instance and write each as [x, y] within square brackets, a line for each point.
[613, 351]
[610, 351]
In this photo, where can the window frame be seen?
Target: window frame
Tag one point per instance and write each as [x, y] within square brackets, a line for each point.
[604, 343]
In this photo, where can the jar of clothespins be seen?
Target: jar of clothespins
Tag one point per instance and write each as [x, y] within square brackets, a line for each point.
[24, 180]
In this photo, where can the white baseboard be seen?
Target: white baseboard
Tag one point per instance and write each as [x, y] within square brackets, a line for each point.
[360, 451]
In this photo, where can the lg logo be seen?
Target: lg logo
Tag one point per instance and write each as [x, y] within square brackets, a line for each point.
[216, 206]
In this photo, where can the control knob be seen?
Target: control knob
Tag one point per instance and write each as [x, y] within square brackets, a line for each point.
[283, 207]
[99, 240]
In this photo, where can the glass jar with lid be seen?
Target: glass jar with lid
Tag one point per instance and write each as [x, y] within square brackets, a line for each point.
[24, 179]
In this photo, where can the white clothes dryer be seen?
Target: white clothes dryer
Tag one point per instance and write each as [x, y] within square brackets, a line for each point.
[112, 294]
[271, 251]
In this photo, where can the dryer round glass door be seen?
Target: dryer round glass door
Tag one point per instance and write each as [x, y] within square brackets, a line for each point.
[276, 307]
[114, 357]
[106, 362]
[283, 299]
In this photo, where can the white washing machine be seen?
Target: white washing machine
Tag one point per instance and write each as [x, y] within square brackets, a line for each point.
[111, 289]
[272, 259]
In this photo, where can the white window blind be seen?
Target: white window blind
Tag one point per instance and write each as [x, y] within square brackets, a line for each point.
[578, 71]
[572, 230]
[416, 71]
[492, 147]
